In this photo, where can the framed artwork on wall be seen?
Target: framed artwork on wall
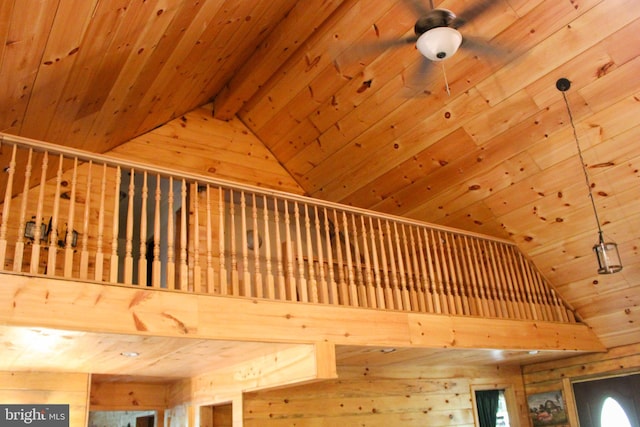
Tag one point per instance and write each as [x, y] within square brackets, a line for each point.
[547, 409]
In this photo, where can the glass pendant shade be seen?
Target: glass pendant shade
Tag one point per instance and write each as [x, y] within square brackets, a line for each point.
[608, 257]
[439, 43]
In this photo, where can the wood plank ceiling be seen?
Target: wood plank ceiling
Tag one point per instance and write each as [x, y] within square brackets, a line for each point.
[353, 124]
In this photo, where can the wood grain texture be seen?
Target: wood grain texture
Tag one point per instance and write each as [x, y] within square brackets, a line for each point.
[314, 108]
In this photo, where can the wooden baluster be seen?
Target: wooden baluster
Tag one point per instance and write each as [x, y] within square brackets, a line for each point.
[246, 276]
[439, 267]
[99, 258]
[68, 248]
[53, 224]
[196, 284]
[433, 281]
[259, 290]
[128, 252]
[424, 275]
[235, 274]
[493, 284]
[84, 253]
[534, 301]
[142, 257]
[454, 279]
[271, 291]
[37, 232]
[477, 308]
[302, 281]
[486, 288]
[312, 283]
[370, 291]
[556, 315]
[333, 288]
[291, 281]
[460, 283]
[353, 290]
[342, 288]
[6, 207]
[518, 308]
[360, 287]
[417, 277]
[520, 280]
[561, 310]
[280, 261]
[539, 303]
[183, 274]
[542, 291]
[378, 297]
[114, 268]
[323, 291]
[156, 264]
[210, 285]
[222, 235]
[171, 245]
[445, 256]
[19, 248]
[410, 283]
[397, 292]
[406, 300]
[386, 282]
[502, 282]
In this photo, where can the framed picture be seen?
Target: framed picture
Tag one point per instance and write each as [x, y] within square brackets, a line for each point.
[547, 409]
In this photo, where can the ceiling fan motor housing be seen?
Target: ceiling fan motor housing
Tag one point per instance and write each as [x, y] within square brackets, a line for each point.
[436, 39]
[435, 18]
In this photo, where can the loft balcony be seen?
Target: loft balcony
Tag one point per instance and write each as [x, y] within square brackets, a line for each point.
[100, 245]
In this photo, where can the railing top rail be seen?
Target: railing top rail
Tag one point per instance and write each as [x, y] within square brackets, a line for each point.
[132, 164]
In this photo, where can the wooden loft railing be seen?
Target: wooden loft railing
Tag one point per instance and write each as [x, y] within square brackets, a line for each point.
[76, 215]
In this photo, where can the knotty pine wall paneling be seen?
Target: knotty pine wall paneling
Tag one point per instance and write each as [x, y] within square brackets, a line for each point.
[48, 388]
[385, 396]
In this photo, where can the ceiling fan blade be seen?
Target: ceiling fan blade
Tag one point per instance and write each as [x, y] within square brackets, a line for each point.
[480, 7]
[484, 47]
[418, 79]
[361, 51]
[418, 6]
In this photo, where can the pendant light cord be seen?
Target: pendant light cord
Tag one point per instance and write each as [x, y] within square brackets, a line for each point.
[584, 169]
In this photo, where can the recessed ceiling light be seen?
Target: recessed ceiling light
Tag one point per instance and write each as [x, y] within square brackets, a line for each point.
[130, 354]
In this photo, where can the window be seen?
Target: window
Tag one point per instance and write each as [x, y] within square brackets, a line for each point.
[613, 415]
[491, 408]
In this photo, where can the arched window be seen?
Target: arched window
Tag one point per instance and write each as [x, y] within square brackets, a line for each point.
[613, 415]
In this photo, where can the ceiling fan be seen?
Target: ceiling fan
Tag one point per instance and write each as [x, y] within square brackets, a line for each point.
[436, 33]
[436, 30]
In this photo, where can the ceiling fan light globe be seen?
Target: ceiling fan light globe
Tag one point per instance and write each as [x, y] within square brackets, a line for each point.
[439, 43]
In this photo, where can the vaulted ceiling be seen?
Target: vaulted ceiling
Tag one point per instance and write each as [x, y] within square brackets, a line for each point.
[481, 141]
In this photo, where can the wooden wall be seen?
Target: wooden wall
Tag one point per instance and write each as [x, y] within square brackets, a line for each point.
[380, 397]
[198, 143]
[130, 396]
[559, 374]
[48, 388]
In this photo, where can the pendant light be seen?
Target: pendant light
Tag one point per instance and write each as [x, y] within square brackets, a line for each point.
[606, 252]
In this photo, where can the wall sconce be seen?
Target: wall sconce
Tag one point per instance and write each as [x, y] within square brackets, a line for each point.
[45, 229]
[606, 252]
[74, 239]
[30, 230]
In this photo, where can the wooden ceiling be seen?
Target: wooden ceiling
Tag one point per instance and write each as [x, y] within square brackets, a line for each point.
[360, 125]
